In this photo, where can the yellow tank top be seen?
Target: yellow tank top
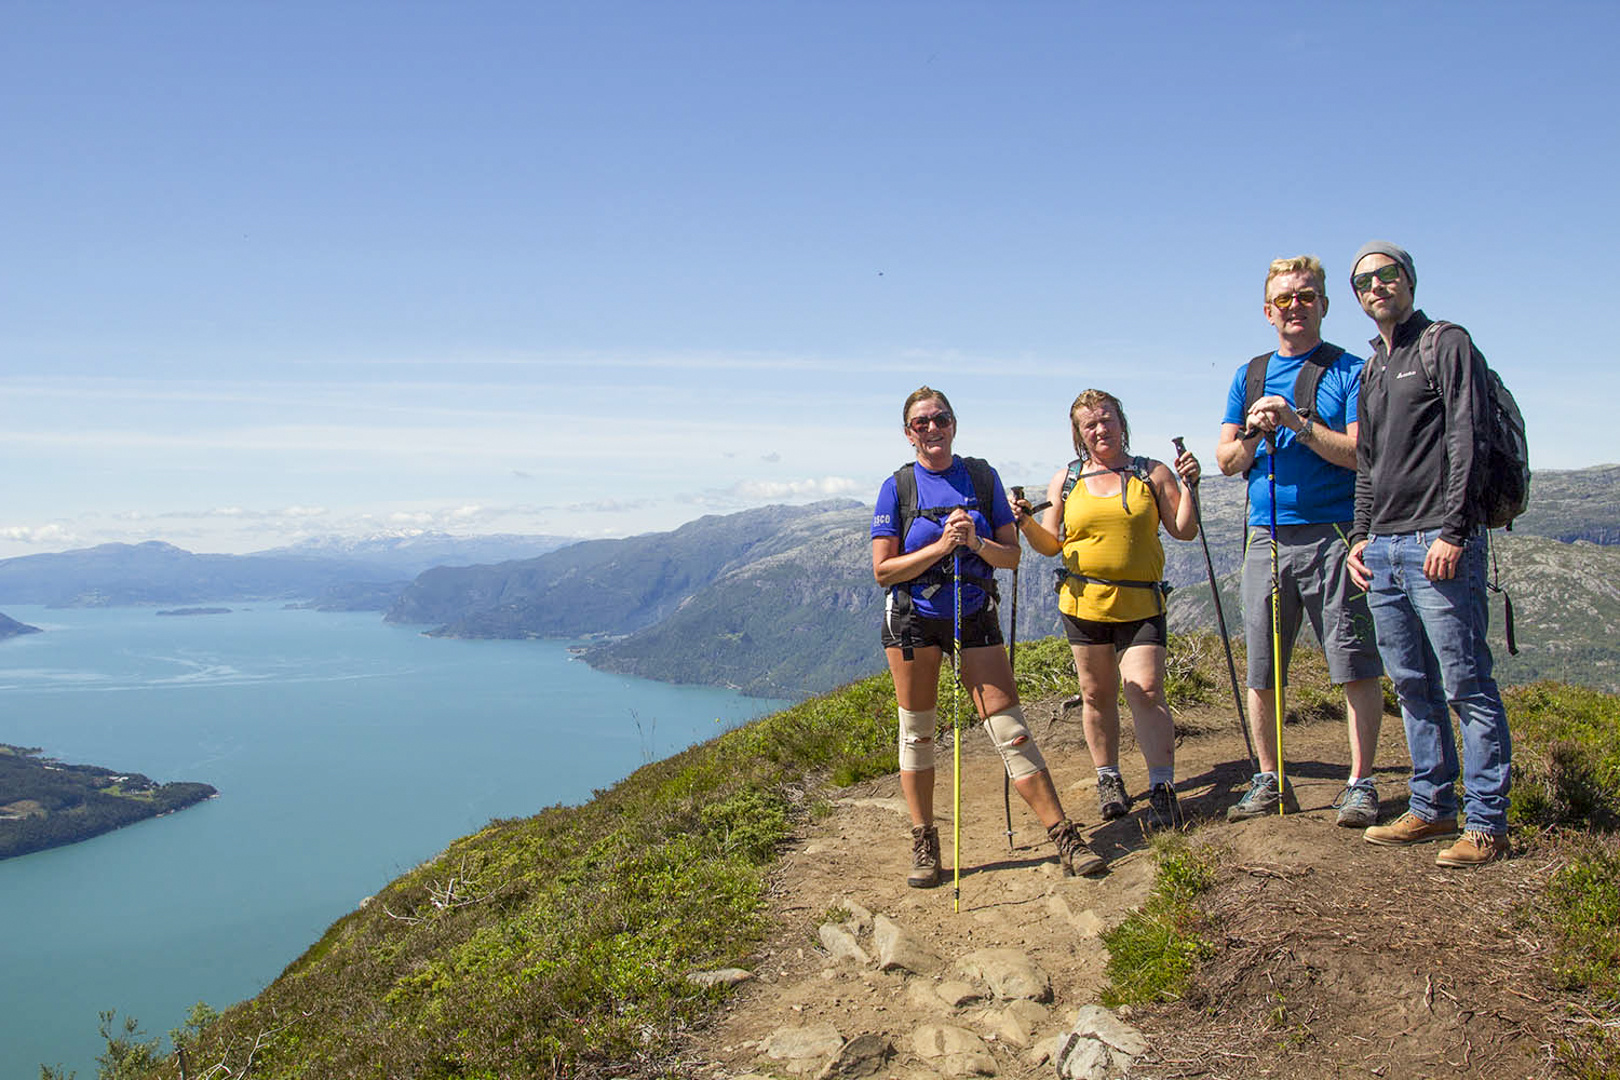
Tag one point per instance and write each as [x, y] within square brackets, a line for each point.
[1102, 539]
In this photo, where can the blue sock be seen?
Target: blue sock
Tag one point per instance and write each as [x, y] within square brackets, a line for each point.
[1161, 774]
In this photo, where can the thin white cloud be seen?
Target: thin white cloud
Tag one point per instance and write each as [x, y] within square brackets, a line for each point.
[53, 534]
[822, 487]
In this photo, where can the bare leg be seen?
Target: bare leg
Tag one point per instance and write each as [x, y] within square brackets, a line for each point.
[916, 687]
[1364, 701]
[1098, 668]
[989, 678]
[1142, 668]
[1263, 726]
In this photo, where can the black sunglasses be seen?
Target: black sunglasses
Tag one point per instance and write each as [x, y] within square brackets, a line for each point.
[1389, 275]
[940, 420]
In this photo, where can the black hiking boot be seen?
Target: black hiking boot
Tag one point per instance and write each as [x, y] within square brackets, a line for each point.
[1073, 854]
[1111, 797]
[1164, 809]
[924, 857]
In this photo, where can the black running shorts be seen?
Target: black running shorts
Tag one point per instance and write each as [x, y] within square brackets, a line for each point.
[1121, 635]
[913, 631]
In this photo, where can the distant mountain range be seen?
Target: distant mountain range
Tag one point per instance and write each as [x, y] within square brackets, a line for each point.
[779, 601]
[330, 574]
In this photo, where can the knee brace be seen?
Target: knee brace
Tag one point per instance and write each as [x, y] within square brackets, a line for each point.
[917, 739]
[1016, 745]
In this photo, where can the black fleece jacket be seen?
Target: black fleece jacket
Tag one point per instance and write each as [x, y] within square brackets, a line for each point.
[1415, 435]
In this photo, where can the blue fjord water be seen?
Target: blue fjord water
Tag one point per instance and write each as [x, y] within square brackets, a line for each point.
[345, 752]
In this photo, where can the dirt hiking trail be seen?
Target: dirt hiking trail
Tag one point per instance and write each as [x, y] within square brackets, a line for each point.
[1333, 957]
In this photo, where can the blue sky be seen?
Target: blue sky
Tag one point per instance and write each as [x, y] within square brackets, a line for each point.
[275, 270]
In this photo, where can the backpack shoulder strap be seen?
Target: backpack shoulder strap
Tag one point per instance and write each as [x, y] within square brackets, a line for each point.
[1142, 469]
[1254, 382]
[1310, 375]
[905, 493]
[984, 483]
[1075, 468]
[1429, 350]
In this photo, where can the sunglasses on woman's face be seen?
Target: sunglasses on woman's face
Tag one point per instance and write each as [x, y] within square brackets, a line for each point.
[1389, 275]
[940, 420]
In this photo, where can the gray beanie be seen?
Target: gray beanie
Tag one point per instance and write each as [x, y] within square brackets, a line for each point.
[1384, 247]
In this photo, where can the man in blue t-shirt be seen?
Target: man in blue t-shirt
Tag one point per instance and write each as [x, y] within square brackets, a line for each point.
[1315, 468]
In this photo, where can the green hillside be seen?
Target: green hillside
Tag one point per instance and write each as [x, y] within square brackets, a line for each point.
[564, 944]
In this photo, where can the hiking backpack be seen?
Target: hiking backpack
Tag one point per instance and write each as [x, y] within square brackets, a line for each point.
[1499, 485]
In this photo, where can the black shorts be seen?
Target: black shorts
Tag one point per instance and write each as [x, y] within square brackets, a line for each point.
[914, 631]
[1121, 635]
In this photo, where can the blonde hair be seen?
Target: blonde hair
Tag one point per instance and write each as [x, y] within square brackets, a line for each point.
[1091, 399]
[923, 393]
[1309, 264]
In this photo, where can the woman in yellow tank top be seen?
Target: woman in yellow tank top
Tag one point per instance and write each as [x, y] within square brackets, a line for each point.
[1111, 599]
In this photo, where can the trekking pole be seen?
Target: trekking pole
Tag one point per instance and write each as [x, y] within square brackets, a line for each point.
[1220, 616]
[1012, 662]
[956, 729]
[1276, 620]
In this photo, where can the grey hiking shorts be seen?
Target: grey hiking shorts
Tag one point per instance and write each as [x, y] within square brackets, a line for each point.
[1313, 582]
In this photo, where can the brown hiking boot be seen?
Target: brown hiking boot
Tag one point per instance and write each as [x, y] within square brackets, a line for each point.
[1474, 849]
[1410, 829]
[1075, 857]
[924, 857]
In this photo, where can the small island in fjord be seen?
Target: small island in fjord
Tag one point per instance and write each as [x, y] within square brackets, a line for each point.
[10, 627]
[48, 804]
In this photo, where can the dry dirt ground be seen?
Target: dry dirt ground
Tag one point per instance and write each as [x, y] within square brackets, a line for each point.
[1334, 958]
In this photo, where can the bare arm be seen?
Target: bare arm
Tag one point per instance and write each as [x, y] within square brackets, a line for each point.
[1273, 413]
[1233, 454]
[890, 567]
[1176, 511]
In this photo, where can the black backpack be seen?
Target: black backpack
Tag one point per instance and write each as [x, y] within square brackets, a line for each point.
[1499, 485]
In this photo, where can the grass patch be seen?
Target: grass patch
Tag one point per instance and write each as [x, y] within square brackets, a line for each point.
[1152, 954]
[1577, 915]
[1566, 757]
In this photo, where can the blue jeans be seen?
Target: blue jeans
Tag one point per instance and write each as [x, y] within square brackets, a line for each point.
[1431, 635]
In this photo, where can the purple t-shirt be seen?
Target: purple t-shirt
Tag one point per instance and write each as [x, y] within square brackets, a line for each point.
[951, 488]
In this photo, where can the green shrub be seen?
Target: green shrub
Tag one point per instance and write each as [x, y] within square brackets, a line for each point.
[1566, 756]
[1152, 954]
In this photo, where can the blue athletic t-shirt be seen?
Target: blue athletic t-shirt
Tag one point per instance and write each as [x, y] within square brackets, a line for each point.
[953, 487]
[1310, 489]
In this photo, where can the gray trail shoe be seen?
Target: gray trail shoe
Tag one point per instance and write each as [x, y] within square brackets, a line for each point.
[1261, 799]
[1164, 809]
[1075, 857]
[925, 870]
[1357, 805]
[1111, 797]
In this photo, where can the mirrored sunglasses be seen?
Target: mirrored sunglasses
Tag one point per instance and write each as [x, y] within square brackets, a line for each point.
[1389, 275]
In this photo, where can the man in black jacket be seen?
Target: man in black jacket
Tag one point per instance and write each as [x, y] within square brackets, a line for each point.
[1417, 548]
